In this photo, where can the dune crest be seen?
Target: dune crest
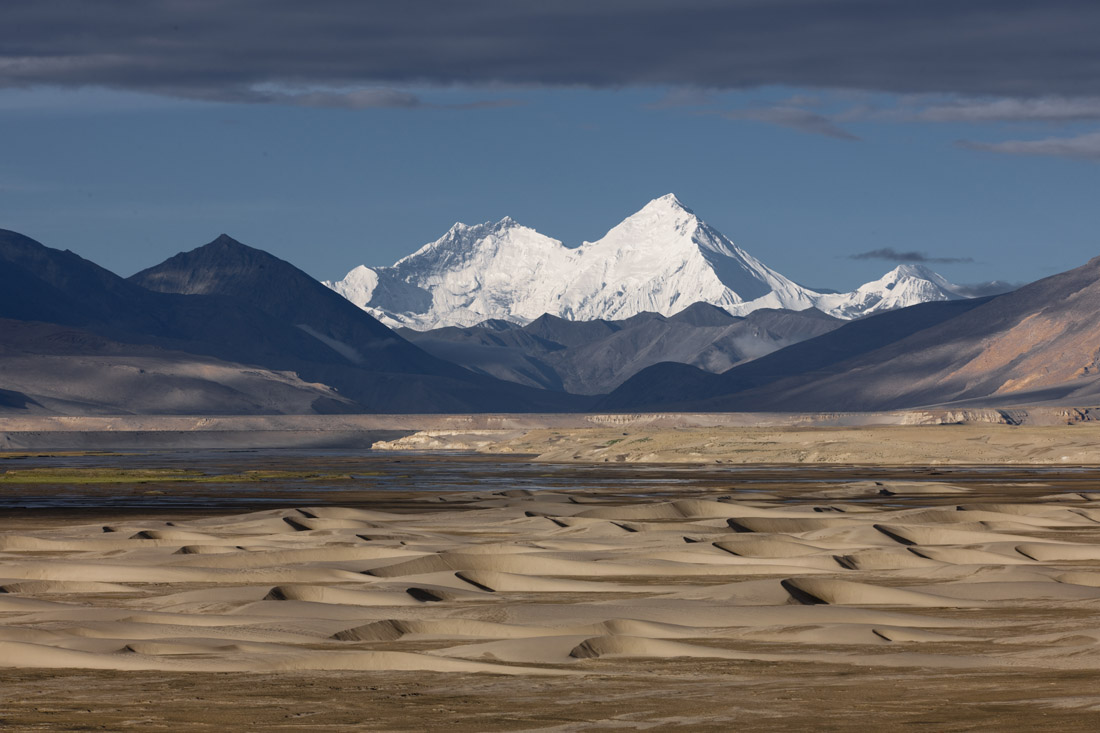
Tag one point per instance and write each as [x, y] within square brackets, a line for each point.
[528, 582]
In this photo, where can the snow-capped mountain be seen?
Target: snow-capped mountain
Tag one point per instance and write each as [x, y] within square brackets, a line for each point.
[903, 286]
[661, 259]
[471, 274]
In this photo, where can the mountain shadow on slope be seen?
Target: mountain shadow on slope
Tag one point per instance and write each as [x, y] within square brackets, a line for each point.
[672, 386]
[57, 369]
[1038, 344]
[233, 314]
[593, 357]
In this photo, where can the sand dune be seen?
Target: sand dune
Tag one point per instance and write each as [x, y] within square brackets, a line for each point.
[523, 582]
[810, 591]
[767, 547]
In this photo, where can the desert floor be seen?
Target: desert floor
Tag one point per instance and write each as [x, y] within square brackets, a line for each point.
[343, 591]
[895, 445]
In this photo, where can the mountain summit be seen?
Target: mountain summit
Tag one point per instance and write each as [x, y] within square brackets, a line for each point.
[902, 287]
[660, 259]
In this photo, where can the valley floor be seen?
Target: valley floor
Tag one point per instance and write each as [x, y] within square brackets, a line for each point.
[969, 444]
[905, 437]
[350, 591]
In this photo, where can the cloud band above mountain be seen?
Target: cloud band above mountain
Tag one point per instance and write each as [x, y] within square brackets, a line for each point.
[223, 50]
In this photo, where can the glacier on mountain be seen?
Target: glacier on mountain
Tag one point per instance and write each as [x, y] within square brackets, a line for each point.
[661, 259]
[903, 286]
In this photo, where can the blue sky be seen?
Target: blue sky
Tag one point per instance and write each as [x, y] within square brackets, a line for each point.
[329, 176]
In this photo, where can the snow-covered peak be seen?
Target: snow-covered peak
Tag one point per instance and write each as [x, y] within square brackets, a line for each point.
[358, 286]
[465, 243]
[654, 223]
[909, 276]
[920, 272]
[903, 286]
[670, 200]
[661, 259]
[667, 205]
[362, 276]
[663, 254]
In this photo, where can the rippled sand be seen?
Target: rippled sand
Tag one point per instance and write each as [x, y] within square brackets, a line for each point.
[716, 603]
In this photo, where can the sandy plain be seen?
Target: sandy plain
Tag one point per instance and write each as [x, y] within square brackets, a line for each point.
[400, 592]
[961, 444]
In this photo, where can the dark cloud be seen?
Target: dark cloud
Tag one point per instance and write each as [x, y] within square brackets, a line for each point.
[222, 49]
[892, 255]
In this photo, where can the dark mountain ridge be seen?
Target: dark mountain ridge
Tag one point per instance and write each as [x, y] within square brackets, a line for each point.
[226, 268]
[240, 305]
[592, 357]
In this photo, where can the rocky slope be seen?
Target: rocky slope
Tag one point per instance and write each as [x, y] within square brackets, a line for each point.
[595, 357]
[1037, 345]
[51, 369]
[241, 308]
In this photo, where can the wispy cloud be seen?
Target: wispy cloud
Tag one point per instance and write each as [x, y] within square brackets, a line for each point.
[359, 98]
[811, 114]
[1042, 109]
[1084, 147]
[351, 99]
[892, 255]
[794, 117]
[1051, 112]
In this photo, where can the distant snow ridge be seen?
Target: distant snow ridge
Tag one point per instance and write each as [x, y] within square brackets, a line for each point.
[903, 286]
[661, 259]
